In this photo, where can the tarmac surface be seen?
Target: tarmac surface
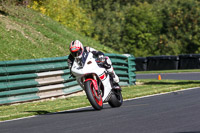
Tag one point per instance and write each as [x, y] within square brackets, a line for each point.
[176, 112]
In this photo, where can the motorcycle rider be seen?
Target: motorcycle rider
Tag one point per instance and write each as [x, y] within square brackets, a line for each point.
[77, 51]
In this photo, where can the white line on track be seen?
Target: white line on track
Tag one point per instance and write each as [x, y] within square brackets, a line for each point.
[105, 103]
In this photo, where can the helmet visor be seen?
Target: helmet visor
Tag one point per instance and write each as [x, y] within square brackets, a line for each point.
[77, 53]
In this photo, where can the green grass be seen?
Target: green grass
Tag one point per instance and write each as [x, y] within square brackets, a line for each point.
[142, 88]
[151, 86]
[168, 71]
[27, 34]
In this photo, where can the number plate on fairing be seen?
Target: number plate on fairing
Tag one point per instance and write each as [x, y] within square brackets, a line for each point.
[103, 76]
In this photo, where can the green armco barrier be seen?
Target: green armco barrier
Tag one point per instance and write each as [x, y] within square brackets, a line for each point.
[34, 79]
[34, 61]
[72, 89]
[13, 99]
[116, 56]
[17, 84]
[18, 92]
[17, 77]
[35, 67]
[120, 67]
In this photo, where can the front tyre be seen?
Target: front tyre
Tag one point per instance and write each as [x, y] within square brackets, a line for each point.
[116, 99]
[93, 96]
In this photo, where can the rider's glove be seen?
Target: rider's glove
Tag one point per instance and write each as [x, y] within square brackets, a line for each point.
[101, 58]
[106, 64]
[71, 76]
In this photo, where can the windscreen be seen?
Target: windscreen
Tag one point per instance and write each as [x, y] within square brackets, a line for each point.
[81, 61]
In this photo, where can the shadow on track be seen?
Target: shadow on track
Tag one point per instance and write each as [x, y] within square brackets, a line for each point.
[89, 109]
[43, 112]
[75, 111]
[39, 112]
[81, 110]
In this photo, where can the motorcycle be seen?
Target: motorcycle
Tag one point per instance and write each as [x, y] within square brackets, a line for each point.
[96, 82]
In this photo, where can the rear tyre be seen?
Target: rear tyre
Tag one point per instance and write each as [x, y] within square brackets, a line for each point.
[93, 96]
[116, 99]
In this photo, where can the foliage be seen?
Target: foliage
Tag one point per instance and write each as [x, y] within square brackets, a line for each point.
[147, 27]
[141, 30]
[181, 26]
[66, 12]
[109, 20]
[171, 27]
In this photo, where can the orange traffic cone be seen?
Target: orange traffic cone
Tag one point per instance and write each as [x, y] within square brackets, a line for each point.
[159, 77]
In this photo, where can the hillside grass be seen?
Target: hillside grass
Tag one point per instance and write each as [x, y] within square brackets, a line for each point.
[27, 34]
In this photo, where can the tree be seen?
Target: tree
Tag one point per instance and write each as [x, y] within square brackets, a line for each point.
[142, 29]
[67, 12]
[181, 26]
[109, 20]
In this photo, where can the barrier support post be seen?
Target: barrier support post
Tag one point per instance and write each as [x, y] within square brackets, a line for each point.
[131, 69]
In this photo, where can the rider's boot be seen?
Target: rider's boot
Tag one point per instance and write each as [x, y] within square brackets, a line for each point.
[115, 78]
[109, 68]
[113, 74]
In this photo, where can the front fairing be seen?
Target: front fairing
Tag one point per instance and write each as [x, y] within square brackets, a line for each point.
[86, 65]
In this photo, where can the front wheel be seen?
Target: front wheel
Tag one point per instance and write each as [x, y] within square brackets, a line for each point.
[93, 95]
[116, 99]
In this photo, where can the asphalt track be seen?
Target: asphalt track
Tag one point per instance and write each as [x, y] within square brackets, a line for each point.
[176, 112]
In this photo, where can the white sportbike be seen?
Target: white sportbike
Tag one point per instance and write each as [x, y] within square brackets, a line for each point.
[96, 82]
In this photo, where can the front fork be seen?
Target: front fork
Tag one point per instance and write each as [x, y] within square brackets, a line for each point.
[94, 81]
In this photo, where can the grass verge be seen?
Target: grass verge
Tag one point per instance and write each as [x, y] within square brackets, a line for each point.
[168, 71]
[142, 88]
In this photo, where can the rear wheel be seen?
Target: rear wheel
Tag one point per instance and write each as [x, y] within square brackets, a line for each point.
[116, 99]
[93, 95]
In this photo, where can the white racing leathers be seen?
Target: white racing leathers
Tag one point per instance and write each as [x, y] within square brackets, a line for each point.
[109, 67]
